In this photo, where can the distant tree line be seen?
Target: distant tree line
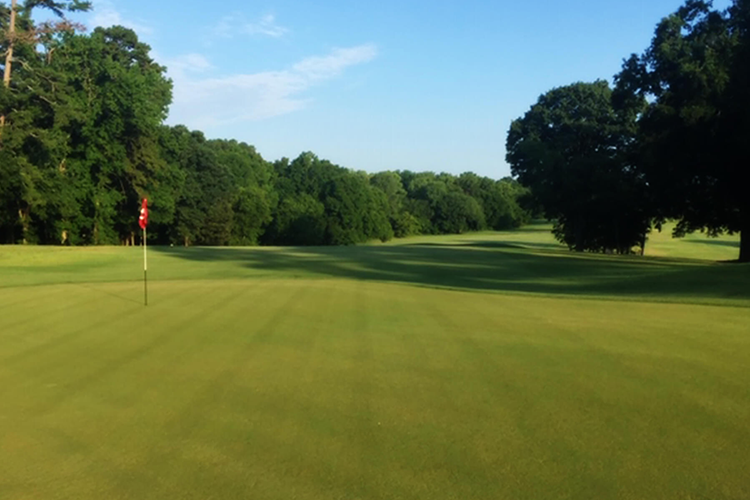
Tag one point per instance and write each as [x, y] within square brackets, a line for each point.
[82, 140]
[220, 192]
[671, 140]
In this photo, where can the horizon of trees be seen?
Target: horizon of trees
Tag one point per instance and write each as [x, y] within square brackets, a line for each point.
[670, 141]
[82, 140]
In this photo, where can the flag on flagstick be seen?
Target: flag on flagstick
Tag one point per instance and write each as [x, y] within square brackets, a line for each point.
[143, 222]
[143, 219]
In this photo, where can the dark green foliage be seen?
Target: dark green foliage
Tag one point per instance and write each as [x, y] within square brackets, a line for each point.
[499, 200]
[84, 141]
[82, 112]
[671, 141]
[59, 8]
[402, 222]
[204, 213]
[121, 98]
[323, 204]
[444, 204]
[252, 210]
[457, 213]
[10, 188]
[571, 149]
[693, 146]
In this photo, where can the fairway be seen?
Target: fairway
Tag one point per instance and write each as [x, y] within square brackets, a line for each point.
[484, 366]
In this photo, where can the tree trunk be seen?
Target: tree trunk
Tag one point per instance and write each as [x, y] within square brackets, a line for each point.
[23, 215]
[11, 41]
[9, 53]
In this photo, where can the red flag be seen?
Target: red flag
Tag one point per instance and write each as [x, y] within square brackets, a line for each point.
[143, 219]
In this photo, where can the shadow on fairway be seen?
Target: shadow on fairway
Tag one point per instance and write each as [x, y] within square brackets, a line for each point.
[495, 266]
[510, 244]
[716, 242]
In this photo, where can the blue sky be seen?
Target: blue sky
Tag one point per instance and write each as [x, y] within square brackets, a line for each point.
[419, 85]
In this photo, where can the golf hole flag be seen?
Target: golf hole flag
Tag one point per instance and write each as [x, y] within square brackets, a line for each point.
[143, 219]
[143, 222]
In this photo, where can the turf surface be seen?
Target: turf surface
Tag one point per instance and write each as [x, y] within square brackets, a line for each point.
[487, 366]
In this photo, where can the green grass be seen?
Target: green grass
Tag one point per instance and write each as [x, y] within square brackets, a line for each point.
[487, 366]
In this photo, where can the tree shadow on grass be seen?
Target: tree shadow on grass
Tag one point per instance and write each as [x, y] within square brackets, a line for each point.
[496, 266]
[716, 242]
[512, 244]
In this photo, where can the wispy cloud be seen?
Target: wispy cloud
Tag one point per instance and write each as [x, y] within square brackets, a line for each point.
[207, 102]
[316, 68]
[105, 14]
[237, 24]
[195, 63]
[266, 26]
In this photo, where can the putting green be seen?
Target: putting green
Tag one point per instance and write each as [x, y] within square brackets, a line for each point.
[480, 366]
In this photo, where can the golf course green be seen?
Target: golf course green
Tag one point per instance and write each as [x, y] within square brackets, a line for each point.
[476, 366]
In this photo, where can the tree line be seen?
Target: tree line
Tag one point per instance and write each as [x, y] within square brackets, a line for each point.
[670, 140]
[83, 139]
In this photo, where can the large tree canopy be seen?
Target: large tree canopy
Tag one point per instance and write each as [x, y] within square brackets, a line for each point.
[82, 140]
[693, 146]
[571, 148]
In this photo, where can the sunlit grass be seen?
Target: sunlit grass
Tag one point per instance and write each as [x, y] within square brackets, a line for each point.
[487, 366]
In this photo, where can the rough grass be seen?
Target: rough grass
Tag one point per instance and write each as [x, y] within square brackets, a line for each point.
[476, 366]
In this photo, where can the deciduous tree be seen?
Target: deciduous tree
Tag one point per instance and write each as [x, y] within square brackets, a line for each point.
[693, 142]
[570, 149]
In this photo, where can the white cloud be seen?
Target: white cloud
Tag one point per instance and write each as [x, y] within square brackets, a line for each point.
[266, 26]
[190, 62]
[205, 102]
[332, 64]
[236, 24]
[105, 14]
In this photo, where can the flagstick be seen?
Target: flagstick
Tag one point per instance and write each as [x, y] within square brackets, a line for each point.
[145, 270]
